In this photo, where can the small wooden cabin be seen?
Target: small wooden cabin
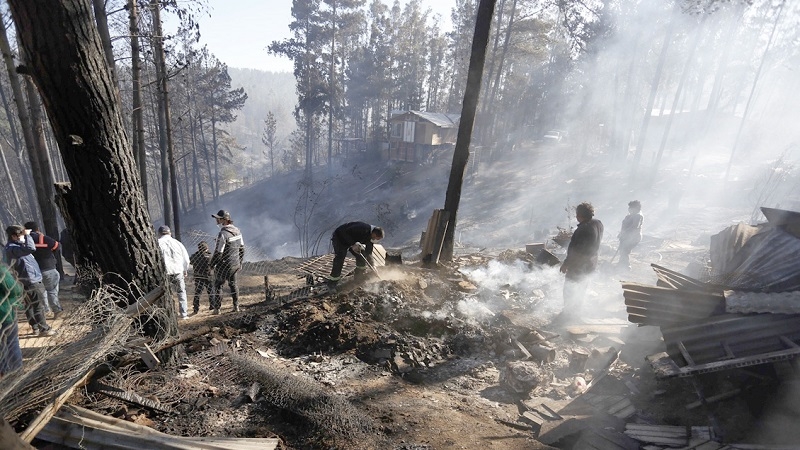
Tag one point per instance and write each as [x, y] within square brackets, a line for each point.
[415, 135]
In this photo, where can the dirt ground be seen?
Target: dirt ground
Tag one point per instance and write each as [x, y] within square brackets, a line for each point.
[418, 357]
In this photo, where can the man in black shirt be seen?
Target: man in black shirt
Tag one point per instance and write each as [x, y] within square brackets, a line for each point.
[356, 237]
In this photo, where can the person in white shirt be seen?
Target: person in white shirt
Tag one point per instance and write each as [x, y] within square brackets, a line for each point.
[176, 260]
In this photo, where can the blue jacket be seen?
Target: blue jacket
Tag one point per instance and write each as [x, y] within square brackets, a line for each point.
[20, 257]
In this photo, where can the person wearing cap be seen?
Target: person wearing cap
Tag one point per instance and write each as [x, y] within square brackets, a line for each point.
[46, 252]
[357, 238]
[176, 260]
[201, 271]
[19, 255]
[226, 260]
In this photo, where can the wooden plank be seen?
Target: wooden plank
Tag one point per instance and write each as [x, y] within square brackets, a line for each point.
[10, 440]
[714, 398]
[50, 410]
[81, 428]
[582, 330]
[441, 229]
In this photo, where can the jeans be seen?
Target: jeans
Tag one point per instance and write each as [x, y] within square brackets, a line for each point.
[35, 296]
[50, 279]
[10, 353]
[177, 282]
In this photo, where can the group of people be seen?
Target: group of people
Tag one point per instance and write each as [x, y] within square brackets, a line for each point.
[584, 246]
[29, 277]
[210, 270]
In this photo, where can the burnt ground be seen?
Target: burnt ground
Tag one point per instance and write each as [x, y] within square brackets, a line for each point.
[428, 358]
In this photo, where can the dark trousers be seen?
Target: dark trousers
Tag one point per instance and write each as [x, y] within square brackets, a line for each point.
[200, 285]
[221, 278]
[340, 250]
[35, 296]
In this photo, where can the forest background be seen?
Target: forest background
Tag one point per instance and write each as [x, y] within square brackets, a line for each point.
[714, 72]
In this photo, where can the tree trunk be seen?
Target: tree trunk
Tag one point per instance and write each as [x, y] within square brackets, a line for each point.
[689, 61]
[101, 18]
[653, 91]
[44, 170]
[480, 40]
[753, 89]
[140, 150]
[103, 204]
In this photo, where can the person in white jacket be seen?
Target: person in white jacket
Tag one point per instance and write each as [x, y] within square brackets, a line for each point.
[176, 260]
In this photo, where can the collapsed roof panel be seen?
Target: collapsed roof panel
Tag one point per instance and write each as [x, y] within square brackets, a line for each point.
[732, 340]
[767, 262]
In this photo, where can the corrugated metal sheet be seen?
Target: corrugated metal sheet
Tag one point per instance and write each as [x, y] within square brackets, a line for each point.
[654, 305]
[676, 280]
[760, 302]
[766, 263]
[733, 340]
[728, 242]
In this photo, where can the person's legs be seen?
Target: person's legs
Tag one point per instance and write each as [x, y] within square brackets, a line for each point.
[10, 353]
[50, 279]
[340, 251]
[216, 294]
[180, 286]
[574, 292]
[200, 284]
[232, 283]
[35, 296]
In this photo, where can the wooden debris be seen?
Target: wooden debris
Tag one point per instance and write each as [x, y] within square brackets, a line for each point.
[522, 348]
[81, 428]
[150, 359]
[714, 398]
[667, 434]
[129, 396]
[10, 440]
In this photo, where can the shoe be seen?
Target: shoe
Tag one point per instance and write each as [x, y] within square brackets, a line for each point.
[215, 312]
[48, 332]
[236, 308]
[195, 312]
[331, 279]
[185, 318]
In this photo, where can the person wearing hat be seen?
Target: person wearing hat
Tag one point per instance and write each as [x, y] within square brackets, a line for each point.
[19, 255]
[47, 255]
[226, 260]
[176, 260]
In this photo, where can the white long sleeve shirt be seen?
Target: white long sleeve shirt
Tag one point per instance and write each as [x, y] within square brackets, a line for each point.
[176, 258]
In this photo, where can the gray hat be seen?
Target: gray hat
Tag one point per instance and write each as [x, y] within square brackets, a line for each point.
[163, 229]
[222, 214]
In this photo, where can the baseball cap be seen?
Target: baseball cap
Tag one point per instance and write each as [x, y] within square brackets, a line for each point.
[163, 229]
[222, 214]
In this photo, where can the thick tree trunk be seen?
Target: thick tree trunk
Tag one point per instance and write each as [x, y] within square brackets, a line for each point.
[480, 40]
[103, 205]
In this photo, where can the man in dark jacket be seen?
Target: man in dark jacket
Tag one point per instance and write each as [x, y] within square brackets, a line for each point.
[47, 251]
[356, 237]
[226, 259]
[581, 258]
[201, 271]
[19, 255]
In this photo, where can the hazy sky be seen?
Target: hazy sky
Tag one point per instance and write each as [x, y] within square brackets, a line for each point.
[238, 31]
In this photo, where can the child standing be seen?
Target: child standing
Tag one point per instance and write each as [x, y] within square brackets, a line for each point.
[631, 233]
[201, 270]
